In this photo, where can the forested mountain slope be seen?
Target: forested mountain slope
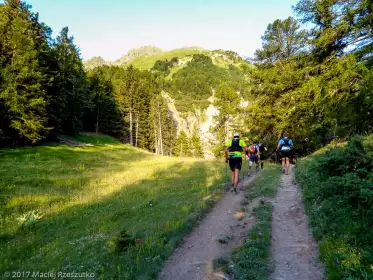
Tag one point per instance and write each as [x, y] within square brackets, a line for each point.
[315, 83]
[189, 82]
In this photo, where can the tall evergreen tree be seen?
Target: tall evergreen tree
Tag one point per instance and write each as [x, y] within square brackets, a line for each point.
[23, 95]
[195, 145]
[282, 40]
[227, 101]
[104, 116]
[71, 98]
[182, 145]
[339, 26]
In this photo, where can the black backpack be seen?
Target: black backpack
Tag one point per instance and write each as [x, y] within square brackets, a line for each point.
[235, 147]
[261, 147]
[286, 143]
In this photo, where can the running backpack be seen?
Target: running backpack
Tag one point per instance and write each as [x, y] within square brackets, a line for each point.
[235, 147]
[286, 142]
[252, 149]
[261, 147]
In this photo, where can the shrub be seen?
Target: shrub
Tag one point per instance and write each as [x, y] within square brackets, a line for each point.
[338, 192]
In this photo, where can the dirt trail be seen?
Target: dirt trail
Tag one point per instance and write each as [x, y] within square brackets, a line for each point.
[194, 259]
[294, 251]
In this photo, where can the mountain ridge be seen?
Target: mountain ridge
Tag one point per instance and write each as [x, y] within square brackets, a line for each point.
[145, 57]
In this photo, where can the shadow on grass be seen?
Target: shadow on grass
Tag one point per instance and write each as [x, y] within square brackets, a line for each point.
[157, 211]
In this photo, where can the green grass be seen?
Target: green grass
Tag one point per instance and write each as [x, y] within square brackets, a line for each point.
[92, 138]
[337, 184]
[266, 183]
[67, 208]
[145, 63]
[251, 260]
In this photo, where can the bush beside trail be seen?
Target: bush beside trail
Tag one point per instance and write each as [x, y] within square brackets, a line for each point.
[337, 185]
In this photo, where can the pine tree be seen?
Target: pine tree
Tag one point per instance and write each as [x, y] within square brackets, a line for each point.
[104, 116]
[282, 40]
[227, 101]
[196, 147]
[23, 94]
[71, 99]
[182, 145]
[127, 87]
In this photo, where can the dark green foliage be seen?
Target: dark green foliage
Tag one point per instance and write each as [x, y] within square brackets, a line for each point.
[338, 192]
[23, 80]
[338, 25]
[121, 241]
[282, 40]
[185, 146]
[192, 85]
[227, 101]
[104, 116]
[182, 145]
[163, 66]
[128, 104]
[196, 147]
[45, 91]
[71, 98]
[316, 93]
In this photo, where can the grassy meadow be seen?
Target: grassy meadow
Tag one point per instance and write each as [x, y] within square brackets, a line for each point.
[108, 209]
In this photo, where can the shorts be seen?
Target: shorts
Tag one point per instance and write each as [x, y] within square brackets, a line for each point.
[286, 154]
[262, 157]
[235, 163]
[253, 157]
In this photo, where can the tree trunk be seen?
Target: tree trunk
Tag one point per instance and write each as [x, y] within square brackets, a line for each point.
[98, 111]
[160, 130]
[155, 138]
[226, 130]
[131, 127]
[137, 128]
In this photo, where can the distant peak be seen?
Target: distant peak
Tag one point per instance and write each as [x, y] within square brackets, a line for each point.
[94, 62]
[141, 51]
[144, 50]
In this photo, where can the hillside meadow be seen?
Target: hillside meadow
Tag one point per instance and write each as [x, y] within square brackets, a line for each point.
[108, 208]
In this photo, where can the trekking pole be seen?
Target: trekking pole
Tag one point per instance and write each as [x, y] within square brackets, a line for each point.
[226, 174]
[242, 172]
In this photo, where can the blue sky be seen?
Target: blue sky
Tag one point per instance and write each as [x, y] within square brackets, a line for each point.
[109, 28]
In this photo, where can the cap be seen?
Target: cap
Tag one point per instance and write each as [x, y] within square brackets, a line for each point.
[236, 134]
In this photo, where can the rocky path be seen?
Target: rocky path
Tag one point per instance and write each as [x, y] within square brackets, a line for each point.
[224, 227]
[293, 249]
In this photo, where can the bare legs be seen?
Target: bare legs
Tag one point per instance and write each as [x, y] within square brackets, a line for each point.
[235, 177]
[285, 165]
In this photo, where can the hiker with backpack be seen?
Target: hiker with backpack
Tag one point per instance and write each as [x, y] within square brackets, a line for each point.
[262, 149]
[253, 155]
[285, 146]
[233, 154]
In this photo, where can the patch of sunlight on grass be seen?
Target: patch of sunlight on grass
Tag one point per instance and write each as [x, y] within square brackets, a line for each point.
[111, 182]
[87, 195]
[18, 201]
